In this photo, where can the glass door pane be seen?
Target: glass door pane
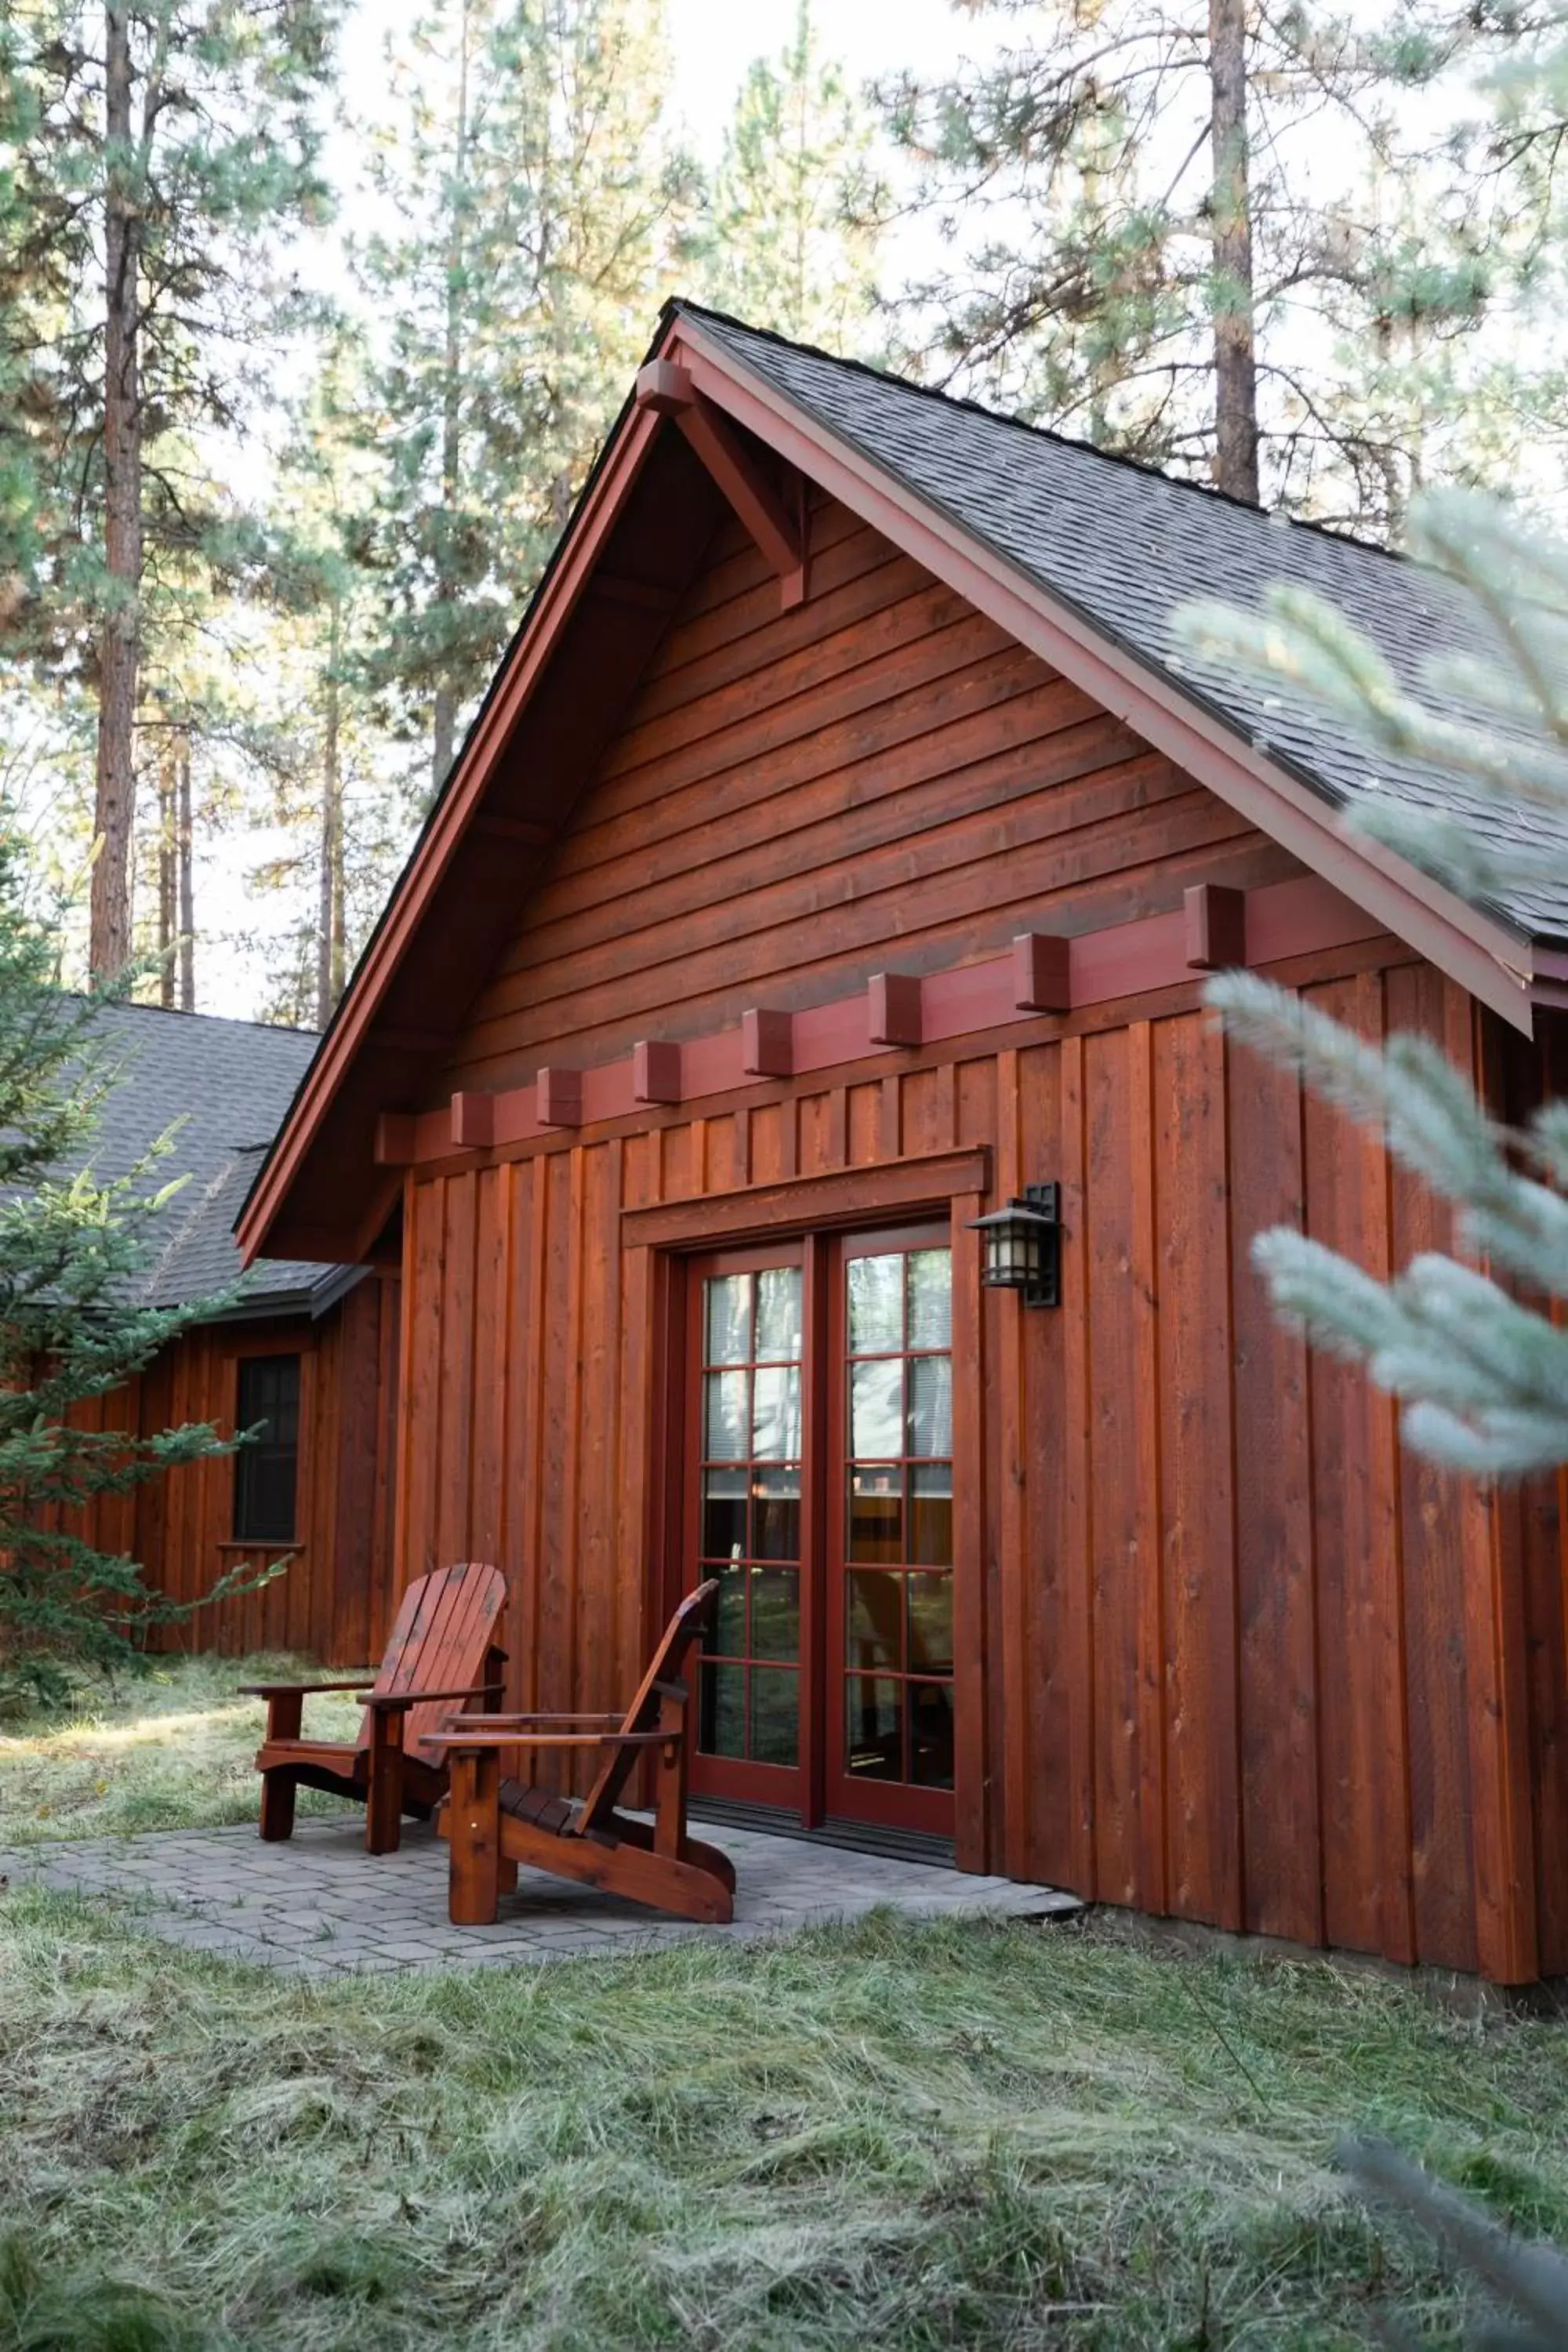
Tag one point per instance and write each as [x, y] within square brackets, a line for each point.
[750, 1513]
[894, 1557]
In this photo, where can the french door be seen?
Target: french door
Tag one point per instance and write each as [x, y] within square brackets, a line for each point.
[818, 1490]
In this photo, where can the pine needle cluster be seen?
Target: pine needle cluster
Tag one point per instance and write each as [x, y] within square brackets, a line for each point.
[1482, 1368]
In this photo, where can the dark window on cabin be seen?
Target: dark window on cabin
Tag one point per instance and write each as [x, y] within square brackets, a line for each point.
[265, 1472]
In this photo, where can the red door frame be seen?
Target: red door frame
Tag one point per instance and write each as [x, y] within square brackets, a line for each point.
[819, 1786]
[890, 1804]
[738, 1779]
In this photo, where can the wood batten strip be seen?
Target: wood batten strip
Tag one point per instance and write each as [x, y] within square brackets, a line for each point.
[1040, 974]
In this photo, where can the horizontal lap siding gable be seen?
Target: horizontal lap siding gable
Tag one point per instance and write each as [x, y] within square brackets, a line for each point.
[795, 801]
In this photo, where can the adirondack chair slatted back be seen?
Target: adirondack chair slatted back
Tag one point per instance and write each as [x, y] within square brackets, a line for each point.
[445, 1623]
[690, 1624]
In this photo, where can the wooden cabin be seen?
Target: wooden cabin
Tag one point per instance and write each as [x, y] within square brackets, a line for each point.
[838, 855]
[306, 1353]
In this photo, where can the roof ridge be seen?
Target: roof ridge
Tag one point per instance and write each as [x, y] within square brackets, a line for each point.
[183, 1012]
[1273, 517]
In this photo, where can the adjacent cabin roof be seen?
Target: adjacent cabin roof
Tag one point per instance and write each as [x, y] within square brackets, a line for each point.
[1081, 558]
[226, 1086]
[1128, 547]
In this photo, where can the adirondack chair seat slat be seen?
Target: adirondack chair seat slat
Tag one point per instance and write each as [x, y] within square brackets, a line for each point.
[495, 1824]
[441, 1649]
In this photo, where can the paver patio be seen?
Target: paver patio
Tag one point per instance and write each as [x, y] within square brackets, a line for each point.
[320, 1906]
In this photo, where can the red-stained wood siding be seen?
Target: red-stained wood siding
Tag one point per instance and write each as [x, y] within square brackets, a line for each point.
[793, 800]
[338, 1599]
[1225, 1652]
[1233, 1654]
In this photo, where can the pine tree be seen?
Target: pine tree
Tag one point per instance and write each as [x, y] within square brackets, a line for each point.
[76, 1256]
[322, 608]
[1484, 1375]
[791, 245]
[1523, 2276]
[157, 148]
[539, 205]
[1202, 230]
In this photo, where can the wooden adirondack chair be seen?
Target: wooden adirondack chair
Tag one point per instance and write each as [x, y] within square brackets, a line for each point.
[442, 1648]
[495, 1824]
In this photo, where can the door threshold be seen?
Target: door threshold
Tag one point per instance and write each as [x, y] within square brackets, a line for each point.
[858, 1837]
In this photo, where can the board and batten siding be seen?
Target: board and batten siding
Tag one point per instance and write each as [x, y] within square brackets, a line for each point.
[1234, 1656]
[338, 1599]
[795, 797]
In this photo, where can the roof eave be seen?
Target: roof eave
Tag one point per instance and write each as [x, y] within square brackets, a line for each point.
[551, 610]
[1495, 962]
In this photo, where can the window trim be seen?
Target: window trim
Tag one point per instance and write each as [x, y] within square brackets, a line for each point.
[239, 1538]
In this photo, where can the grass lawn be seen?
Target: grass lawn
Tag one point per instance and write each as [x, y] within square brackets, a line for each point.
[170, 1750]
[889, 2137]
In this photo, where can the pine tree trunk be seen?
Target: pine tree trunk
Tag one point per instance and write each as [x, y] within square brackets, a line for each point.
[328, 904]
[185, 842]
[168, 917]
[444, 730]
[1235, 361]
[109, 946]
[340, 971]
[443, 735]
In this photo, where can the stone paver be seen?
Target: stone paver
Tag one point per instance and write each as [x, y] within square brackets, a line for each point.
[320, 1906]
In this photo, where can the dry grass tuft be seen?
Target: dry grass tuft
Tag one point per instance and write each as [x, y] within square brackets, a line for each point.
[887, 2138]
[171, 1750]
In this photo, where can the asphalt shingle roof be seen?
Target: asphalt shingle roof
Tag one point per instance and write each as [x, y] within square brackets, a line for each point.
[1125, 547]
[230, 1082]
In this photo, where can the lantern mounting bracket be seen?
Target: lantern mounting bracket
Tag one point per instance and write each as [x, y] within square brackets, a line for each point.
[1023, 1245]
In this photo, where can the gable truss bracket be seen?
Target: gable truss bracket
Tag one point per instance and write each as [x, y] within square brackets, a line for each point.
[774, 519]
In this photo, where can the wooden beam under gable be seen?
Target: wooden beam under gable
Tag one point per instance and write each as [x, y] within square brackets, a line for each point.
[895, 1009]
[655, 1071]
[1042, 977]
[1216, 927]
[473, 1121]
[1285, 921]
[777, 523]
[558, 1095]
[767, 1044]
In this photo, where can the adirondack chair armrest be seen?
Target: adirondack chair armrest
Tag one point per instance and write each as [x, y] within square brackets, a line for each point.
[399, 1702]
[475, 1732]
[562, 1722]
[287, 1690]
[286, 1702]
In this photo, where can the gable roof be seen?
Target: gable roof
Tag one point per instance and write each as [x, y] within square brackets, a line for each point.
[1081, 557]
[229, 1084]
[1127, 547]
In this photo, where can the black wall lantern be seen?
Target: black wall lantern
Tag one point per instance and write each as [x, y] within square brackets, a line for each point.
[1023, 1245]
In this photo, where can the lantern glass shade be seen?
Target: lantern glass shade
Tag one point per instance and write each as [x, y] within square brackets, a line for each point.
[1022, 1246]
